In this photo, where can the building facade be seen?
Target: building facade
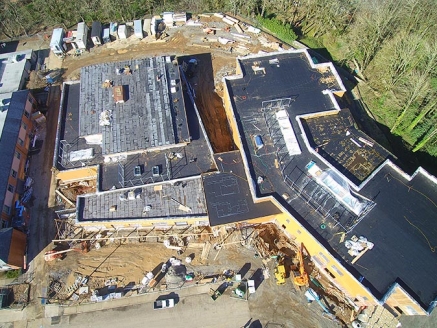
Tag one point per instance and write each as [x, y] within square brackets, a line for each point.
[16, 133]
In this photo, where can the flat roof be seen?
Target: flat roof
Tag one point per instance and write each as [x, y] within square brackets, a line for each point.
[69, 138]
[186, 160]
[152, 115]
[10, 123]
[227, 193]
[166, 200]
[399, 214]
[11, 70]
[350, 150]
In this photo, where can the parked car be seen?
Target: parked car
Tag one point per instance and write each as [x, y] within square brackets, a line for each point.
[163, 304]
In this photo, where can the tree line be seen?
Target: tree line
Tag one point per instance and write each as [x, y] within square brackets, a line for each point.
[391, 44]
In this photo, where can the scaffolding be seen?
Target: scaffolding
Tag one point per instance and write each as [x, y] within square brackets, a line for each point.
[324, 203]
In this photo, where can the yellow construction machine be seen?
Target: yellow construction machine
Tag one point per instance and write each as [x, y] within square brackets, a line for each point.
[280, 272]
[302, 279]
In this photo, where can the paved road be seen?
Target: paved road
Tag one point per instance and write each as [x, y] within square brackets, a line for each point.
[192, 311]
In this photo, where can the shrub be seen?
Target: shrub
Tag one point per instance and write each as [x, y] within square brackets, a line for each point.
[12, 274]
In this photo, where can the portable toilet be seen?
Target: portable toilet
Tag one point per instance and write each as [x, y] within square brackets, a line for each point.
[138, 29]
[57, 42]
[81, 36]
[122, 32]
[96, 33]
[106, 35]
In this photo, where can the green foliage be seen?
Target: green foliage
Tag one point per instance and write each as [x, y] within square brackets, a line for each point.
[12, 274]
[281, 31]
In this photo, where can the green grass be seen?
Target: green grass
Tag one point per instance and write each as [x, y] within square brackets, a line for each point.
[12, 274]
[281, 31]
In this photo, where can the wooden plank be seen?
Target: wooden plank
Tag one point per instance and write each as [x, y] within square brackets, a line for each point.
[359, 255]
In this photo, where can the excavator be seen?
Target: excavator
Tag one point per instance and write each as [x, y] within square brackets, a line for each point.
[302, 279]
[53, 255]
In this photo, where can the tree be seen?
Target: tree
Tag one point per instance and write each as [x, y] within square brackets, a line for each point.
[376, 22]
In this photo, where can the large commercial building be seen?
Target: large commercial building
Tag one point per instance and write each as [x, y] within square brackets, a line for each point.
[133, 153]
[366, 223]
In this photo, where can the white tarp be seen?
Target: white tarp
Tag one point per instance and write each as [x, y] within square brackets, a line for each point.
[81, 155]
[288, 133]
[337, 186]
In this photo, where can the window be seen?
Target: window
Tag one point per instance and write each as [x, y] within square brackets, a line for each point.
[13, 173]
[283, 226]
[10, 188]
[398, 309]
[316, 260]
[20, 142]
[330, 273]
[26, 113]
[410, 310]
[338, 272]
[17, 155]
[324, 257]
[6, 209]
[24, 125]
[30, 99]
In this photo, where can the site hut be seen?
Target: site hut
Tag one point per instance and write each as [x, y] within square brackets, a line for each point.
[106, 38]
[122, 32]
[138, 154]
[82, 36]
[113, 30]
[138, 29]
[180, 18]
[96, 33]
[339, 192]
[147, 27]
[167, 17]
[56, 42]
[15, 69]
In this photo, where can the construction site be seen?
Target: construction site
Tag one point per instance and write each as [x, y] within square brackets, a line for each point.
[94, 267]
[173, 169]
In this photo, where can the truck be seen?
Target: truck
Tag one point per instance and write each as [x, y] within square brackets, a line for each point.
[163, 304]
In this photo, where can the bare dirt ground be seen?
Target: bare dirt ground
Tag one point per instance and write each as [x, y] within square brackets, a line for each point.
[125, 264]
